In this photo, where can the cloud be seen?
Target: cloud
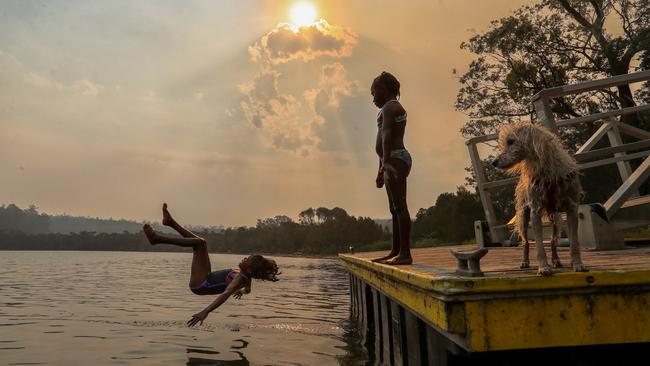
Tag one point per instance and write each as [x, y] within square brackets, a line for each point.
[333, 84]
[291, 117]
[265, 107]
[83, 86]
[286, 43]
[342, 119]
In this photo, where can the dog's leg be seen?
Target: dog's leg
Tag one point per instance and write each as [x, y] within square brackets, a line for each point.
[522, 221]
[572, 226]
[555, 240]
[544, 269]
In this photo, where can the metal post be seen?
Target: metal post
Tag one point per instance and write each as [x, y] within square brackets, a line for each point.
[484, 194]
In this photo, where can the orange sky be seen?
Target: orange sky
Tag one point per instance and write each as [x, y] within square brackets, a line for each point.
[109, 109]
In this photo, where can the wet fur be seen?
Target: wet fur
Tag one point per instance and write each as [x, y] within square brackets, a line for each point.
[548, 184]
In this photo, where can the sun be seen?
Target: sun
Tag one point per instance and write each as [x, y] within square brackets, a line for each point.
[303, 14]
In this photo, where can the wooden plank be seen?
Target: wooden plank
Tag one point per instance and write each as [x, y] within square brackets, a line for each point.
[437, 354]
[486, 198]
[415, 340]
[624, 168]
[362, 303]
[500, 183]
[363, 319]
[353, 302]
[603, 115]
[628, 187]
[377, 309]
[399, 339]
[595, 138]
[645, 144]
[633, 131]
[642, 200]
[594, 85]
[480, 139]
[387, 329]
[507, 260]
[595, 163]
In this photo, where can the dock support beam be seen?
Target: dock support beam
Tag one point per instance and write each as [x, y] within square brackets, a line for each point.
[392, 334]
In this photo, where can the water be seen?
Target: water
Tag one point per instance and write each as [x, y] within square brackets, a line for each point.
[121, 308]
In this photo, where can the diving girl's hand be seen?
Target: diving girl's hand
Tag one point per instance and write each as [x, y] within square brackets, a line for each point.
[197, 318]
[238, 294]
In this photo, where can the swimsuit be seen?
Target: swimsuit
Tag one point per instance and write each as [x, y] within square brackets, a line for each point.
[401, 154]
[217, 282]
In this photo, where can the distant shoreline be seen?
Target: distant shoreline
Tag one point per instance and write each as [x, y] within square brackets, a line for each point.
[288, 255]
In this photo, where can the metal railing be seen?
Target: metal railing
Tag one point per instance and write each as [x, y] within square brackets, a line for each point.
[618, 153]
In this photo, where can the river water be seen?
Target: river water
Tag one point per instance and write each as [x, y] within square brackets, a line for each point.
[122, 308]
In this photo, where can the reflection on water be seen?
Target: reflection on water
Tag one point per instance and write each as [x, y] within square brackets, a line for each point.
[120, 308]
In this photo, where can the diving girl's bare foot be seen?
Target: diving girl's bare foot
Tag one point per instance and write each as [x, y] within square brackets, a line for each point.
[167, 220]
[382, 259]
[151, 234]
[399, 260]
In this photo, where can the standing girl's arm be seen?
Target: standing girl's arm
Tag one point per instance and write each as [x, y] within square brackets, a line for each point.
[387, 139]
[237, 283]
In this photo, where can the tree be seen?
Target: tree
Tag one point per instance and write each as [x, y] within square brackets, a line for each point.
[553, 43]
[306, 217]
[451, 219]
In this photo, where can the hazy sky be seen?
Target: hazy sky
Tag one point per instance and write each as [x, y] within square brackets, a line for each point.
[109, 108]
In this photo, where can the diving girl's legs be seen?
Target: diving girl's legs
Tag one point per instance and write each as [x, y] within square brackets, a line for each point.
[396, 190]
[200, 258]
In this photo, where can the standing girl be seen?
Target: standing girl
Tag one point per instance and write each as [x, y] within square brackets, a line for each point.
[394, 164]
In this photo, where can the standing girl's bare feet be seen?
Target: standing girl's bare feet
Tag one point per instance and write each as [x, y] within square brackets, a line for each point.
[151, 234]
[167, 220]
[400, 259]
[382, 259]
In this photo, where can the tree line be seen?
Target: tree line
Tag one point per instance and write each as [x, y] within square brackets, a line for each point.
[319, 231]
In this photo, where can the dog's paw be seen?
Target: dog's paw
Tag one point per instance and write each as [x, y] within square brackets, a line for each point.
[557, 263]
[544, 271]
[524, 264]
[579, 268]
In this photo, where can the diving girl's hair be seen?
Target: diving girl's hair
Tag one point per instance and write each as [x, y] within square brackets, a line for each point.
[389, 81]
[261, 268]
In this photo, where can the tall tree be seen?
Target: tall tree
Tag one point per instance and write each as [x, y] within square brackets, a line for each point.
[553, 43]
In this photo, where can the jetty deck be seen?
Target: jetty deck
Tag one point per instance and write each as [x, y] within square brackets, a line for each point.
[426, 308]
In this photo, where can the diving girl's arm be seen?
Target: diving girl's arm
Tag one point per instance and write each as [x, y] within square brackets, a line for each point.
[236, 284]
[245, 290]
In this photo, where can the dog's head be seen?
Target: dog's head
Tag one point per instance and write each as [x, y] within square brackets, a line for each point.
[514, 145]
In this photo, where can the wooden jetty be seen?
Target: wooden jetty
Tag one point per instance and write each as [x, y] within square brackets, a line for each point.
[426, 314]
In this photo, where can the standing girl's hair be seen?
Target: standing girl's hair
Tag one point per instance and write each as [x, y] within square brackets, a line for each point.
[389, 81]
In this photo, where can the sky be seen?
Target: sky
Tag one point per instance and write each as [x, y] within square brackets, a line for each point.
[225, 109]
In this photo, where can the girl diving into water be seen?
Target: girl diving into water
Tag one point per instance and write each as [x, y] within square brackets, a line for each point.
[394, 164]
[224, 283]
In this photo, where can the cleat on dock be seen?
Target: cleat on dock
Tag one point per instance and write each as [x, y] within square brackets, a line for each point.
[469, 262]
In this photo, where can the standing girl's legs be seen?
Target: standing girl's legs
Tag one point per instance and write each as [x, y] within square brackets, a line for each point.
[200, 258]
[395, 248]
[396, 189]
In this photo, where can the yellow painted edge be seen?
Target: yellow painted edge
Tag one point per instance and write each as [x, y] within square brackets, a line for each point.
[447, 316]
[558, 321]
[453, 285]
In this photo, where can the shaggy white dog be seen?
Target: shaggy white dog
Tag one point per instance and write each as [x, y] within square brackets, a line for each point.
[548, 184]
